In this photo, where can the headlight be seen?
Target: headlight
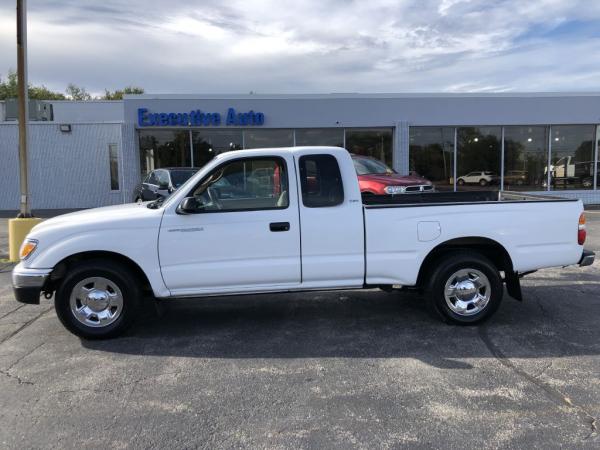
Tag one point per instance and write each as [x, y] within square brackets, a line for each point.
[395, 190]
[27, 248]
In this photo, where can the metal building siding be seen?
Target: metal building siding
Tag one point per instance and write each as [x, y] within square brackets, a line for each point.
[130, 161]
[71, 170]
[9, 167]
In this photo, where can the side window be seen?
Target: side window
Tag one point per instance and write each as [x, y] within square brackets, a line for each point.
[113, 158]
[162, 177]
[245, 184]
[152, 179]
[321, 181]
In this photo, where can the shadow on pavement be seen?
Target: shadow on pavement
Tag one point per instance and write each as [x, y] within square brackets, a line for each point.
[367, 324]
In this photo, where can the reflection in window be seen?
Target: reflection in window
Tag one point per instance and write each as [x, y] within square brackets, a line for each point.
[374, 142]
[245, 184]
[320, 136]
[572, 157]
[209, 143]
[478, 158]
[432, 155]
[164, 148]
[525, 158]
[268, 138]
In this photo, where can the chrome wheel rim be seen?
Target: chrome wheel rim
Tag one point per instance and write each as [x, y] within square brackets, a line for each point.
[96, 302]
[467, 292]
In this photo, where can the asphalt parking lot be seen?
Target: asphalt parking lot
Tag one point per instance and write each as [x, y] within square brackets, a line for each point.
[345, 369]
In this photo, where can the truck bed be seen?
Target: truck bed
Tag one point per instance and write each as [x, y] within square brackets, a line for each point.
[456, 198]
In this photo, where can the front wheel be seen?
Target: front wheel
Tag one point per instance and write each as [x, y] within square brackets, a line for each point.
[464, 288]
[483, 182]
[97, 299]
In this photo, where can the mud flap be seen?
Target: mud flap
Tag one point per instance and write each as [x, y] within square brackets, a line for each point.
[513, 285]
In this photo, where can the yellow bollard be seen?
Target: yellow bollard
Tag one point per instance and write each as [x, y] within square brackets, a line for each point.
[17, 231]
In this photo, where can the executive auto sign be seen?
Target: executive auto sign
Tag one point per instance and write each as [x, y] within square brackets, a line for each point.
[198, 118]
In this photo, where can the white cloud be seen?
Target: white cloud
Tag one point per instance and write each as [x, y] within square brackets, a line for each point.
[311, 46]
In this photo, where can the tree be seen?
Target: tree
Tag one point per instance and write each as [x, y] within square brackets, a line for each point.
[75, 92]
[118, 94]
[8, 89]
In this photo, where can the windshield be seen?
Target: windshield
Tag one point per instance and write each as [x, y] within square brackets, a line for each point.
[178, 177]
[367, 166]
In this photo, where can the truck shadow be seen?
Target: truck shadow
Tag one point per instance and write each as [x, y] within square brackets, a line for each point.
[551, 322]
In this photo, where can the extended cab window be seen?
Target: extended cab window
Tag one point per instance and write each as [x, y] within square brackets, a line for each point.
[321, 181]
[245, 184]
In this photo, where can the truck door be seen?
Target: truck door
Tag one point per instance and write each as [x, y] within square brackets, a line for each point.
[331, 218]
[245, 236]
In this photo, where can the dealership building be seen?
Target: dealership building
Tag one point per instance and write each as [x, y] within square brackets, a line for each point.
[94, 153]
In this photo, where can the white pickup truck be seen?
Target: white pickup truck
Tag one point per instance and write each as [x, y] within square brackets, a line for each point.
[292, 219]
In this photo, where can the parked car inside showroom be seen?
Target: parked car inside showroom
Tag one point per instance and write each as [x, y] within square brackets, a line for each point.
[162, 183]
[482, 178]
[376, 178]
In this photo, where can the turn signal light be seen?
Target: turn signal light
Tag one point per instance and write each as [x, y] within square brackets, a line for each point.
[581, 231]
[27, 248]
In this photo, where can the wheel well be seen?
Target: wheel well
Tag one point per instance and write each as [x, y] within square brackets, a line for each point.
[61, 268]
[489, 248]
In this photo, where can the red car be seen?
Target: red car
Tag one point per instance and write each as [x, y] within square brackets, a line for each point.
[376, 178]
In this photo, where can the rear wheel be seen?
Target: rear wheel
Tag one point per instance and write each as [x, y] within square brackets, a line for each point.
[97, 299]
[461, 182]
[138, 200]
[464, 288]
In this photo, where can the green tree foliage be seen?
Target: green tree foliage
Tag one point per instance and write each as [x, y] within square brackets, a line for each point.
[8, 89]
[119, 93]
[75, 92]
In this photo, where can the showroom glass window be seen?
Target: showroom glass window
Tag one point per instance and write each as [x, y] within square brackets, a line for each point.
[209, 143]
[431, 154]
[164, 148]
[572, 157]
[268, 138]
[478, 158]
[525, 158]
[320, 136]
[374, 142]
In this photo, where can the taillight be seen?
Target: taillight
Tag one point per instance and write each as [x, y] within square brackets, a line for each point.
[581, 232]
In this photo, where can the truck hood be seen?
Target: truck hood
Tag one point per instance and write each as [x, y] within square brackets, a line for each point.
[393, 179]
[108, 219]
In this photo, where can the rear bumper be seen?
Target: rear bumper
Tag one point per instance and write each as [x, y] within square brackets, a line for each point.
[28, 283]
[587, 258]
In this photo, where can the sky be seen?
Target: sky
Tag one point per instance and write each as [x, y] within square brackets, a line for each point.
[309, 46]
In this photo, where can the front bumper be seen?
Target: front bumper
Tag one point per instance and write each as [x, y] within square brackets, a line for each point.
[587, 258]
[28, 283]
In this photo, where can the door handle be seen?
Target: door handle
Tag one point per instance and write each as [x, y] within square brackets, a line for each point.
[279, 226]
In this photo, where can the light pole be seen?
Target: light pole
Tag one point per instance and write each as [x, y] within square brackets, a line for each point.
[23, 96]
[19, 228]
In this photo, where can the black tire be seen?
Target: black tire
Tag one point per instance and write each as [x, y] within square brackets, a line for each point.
[483, 182]
[116, 273]
[460, 182]
[443, 270]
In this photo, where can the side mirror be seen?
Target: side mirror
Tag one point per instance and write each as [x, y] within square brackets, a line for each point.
[190, 205]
